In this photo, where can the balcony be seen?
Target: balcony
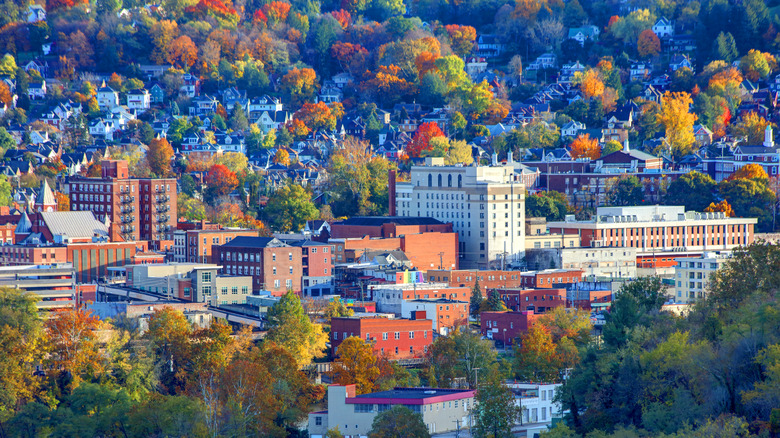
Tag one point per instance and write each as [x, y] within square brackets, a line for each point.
[163, 208]
[127, 219]
[162, 198]
[127, 199]
[163, 218]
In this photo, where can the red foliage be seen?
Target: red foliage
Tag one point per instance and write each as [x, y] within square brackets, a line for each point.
[259, 16]
[422, 137]
[221, 179]
[343, 17]
[211, 7]
[277, 11]
[52, 5]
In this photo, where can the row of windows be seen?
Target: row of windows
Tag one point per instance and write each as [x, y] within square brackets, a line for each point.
[396, 335]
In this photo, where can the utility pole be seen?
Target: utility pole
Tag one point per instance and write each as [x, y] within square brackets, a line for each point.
[441, 260]
[457, 428]
[476, 378]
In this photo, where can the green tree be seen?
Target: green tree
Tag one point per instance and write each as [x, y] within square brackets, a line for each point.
[626, 190]
[493, 303]
[6, 197]
[336, 309]
[238, 120]
[551, 205]
[610, 147]
[358, 180]
[495, 411]
[476, 300]
[725, 47]
[694, 190]
[398, 422]
[289, 208]
[8, 66]
[750, 198]
[290, 328]
[631, 304]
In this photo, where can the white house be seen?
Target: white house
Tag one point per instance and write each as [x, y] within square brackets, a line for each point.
[663, 27]
[572, 128]
[36, 91]
[584, 33]
[103, 128]
[107, 98]
[35, 13]
[139, 99]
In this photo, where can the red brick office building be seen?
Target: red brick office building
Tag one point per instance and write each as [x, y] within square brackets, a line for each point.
[394, 338]
[506, 326]
[535, 300]
[274, 265]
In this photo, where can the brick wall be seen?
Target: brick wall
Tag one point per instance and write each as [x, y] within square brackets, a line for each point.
[506, 326]
[404, 346]
[538, 300]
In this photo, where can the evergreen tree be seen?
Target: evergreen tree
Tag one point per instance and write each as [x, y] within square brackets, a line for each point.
[238, 120]
[726, 48]
[494, 303]
[476, 300]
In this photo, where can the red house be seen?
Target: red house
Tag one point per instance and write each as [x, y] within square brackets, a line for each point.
[393, 338]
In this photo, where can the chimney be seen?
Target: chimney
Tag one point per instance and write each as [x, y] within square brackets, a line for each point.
[509, 159]
[391, 192]
[626, 147]
[494, 159]
[769, 140]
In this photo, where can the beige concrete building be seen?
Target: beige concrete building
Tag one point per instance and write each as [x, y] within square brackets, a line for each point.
[195, 282]
[441, 409]
[594, 262]
[692, 275]
[485, 204]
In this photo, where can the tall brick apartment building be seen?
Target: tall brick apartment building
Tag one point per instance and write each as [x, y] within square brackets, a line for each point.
[144, 209]
[273, 265]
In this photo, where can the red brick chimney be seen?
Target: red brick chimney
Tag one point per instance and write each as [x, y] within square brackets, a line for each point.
[391, 192]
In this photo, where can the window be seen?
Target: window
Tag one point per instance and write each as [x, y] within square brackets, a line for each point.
[274, 270]
[206, 277]
[234, 290]
[411, 335]
[364, 408]
[290, 256]
[384, 336]
[318, 421]
[397, 335]
[276, 284]
[289, 284]
[273, 257]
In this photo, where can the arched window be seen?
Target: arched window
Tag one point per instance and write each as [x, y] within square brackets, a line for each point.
[449, 180]
[430, 180]
[460, 181]
[439, 180]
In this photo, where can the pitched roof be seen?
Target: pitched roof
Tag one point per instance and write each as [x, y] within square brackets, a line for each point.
[45, 195]
[24, 225]
[74, 224]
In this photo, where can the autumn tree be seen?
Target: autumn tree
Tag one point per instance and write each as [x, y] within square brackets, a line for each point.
[159, 156]
[648, 44]
[162, 34]
[590, 83]
[290, 328]
[316, 116]
[182, 52]
[299, 85]
[289, 208]
[462, 38]
[74, 343]
[220, 180]
[752, 127]
[386, 85]
[282, 157]
[757, 65]
[585, 147]
[721, 207]
[398, 421]
[357, 364]
[358, 179]
[678, 121]
[422, 138]
[749, 171]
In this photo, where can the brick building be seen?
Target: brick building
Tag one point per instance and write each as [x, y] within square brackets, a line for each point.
[195, 246]
[468, 277]
[535, 300]
[506, 326]
[144, 209]
[550, 278]
[389, 297]
[386, 227]
[429, 250]
[274, 265]
[395, 338]
[317, 262]
[445, 314]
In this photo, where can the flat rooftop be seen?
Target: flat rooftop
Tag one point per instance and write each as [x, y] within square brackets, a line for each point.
[414, 393]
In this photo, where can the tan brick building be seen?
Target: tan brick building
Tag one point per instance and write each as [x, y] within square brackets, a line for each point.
[273, 265]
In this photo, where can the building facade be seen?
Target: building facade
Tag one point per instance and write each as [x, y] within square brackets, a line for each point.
[389, 297]
[485, 204]
[194, 282]
[445, 314]
[692, 275]
[273, 265]
[393, 338]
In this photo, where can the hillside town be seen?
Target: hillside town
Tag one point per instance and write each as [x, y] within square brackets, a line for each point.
[532, 218]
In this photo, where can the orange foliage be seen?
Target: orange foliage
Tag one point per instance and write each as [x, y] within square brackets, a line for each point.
[221, 179]
[182, 52]
[345, 52]
[73, 339]
[215, 8]
[591, 84]
[723, 78]
[585, 147]
[462, 38]
[749, 171]
[63, 201]
[276, 11]
[495, 112]
[387, 81]
[52, 5]
[425, 62]
[721, 207]
[5, 94]
[297, 128]
[422, 138]
[317, 116]
[343, 17]
[294, 36]
[648, 44]
[259, 17]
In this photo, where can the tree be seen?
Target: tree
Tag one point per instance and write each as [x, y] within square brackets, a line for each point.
[337, 309]
[159, 156]
[585, 147]
[757, 65]
[238, 121]
[357, 364]
[6, 196]
[73, 339]
[631, 304]
[625, 191]
[221, 180]
[648, 44]
[551, 205]
[749, 171]
[726, 48]
[476, 300]
[316, 116]
[752, 127]
[182, 52]
[291, 329]
[282, 157]
[493, 303]
[495, 411]
[398, 422]
[610, 147]
[721, 207]
[299, 85]
[462, 38]
[358, 180]
[676, 117]
[8, 66]
[289, 208]
[190, 208]
[749, 198]
[422, 137]
[236, 162]
[694, 190]
[536, 360]
[590, 83]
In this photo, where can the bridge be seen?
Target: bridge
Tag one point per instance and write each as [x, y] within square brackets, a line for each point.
[326, 367]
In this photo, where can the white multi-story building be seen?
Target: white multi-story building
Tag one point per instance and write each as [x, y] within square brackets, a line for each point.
[692, 275]
[486, 205]
[536, 402]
